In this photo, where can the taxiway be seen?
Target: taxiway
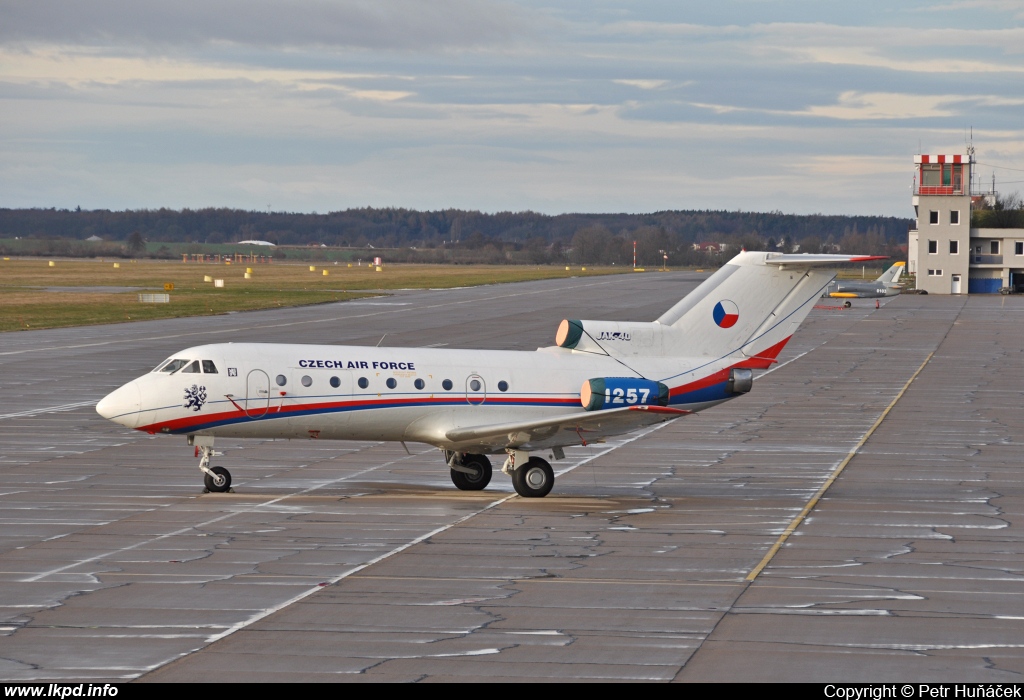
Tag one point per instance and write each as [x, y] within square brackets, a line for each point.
[719, 547]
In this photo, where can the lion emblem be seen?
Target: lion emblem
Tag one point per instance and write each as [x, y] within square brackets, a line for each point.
[195, 397]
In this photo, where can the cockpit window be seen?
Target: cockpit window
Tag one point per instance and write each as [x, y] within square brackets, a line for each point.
[173, 366]
[192, 368]
[209, 367]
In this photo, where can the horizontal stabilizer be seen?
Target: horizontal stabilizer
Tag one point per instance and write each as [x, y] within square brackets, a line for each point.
[824, 260]
[570, 429]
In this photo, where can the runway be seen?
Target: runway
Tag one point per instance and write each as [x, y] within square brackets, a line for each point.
[360, 562]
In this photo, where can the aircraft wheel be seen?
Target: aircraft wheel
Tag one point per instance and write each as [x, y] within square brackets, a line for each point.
[220, 482]
[473, 482]
[534, 479]
[848, 304]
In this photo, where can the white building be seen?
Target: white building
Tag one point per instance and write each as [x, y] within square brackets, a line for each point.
[946, 254]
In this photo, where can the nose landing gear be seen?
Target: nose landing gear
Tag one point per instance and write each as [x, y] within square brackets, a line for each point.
[216, 479]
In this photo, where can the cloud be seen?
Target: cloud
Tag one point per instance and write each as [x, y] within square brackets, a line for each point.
[881, 105]
[374, 24]
[1011, 6]
[642, 84]
[892, 47]
[555, 105]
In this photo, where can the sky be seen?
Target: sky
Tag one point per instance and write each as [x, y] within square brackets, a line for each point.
[596, 106]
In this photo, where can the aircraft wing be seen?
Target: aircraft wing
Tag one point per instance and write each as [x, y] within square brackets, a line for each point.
[571, 429]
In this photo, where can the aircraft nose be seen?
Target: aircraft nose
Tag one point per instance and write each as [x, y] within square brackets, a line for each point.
[122, 405]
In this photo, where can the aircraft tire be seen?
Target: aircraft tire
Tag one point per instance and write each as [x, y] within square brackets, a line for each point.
[848, 304]
[473, 482]
[534, 479]
[220, 483]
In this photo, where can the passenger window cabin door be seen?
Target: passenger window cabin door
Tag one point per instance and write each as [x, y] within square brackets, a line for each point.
[476, 389]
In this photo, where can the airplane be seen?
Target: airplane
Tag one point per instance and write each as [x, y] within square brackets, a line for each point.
[885, 286]
[600, 379]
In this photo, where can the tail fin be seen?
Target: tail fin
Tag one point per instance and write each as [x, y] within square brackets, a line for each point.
[892, 275]
[752, 306]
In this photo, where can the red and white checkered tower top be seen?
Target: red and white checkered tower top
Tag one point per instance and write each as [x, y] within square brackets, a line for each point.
[943, 174]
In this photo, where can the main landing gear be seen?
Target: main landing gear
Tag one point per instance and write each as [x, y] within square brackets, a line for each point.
[469, 472]
[532, 477]
[216, 479]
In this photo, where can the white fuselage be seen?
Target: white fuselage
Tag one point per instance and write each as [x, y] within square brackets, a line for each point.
[365, 393]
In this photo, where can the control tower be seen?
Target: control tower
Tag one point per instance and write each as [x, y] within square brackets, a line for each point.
[939, 247]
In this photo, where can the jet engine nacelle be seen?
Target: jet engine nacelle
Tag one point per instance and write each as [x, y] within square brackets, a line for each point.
[623, 339]
[618, 392]
[741, 380]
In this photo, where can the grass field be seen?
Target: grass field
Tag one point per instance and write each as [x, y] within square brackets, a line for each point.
[25, 301]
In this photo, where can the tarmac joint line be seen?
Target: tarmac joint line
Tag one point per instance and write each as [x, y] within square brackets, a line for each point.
[795, 523]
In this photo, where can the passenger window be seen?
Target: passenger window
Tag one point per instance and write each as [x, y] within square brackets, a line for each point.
[391, 383]
[174, 365]
[363, 382]
[502, 386]
[307, 380]
[209, 367]
[192, 368]
[281, 380]
[419, 383]
[447, 384]
[474, 385]
[335, 382]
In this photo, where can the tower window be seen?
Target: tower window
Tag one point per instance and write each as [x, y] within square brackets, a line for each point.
[933, 217]
[954, 217]
[1018, 248]
[954, 247]
[933, 247]
[993, 247]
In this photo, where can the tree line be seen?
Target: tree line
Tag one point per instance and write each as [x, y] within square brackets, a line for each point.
[456, 235]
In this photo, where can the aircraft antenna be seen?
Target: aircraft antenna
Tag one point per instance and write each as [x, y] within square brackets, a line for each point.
[381, 340]
[613, 356]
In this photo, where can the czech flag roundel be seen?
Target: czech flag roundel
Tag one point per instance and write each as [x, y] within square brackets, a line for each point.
[726, 314]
